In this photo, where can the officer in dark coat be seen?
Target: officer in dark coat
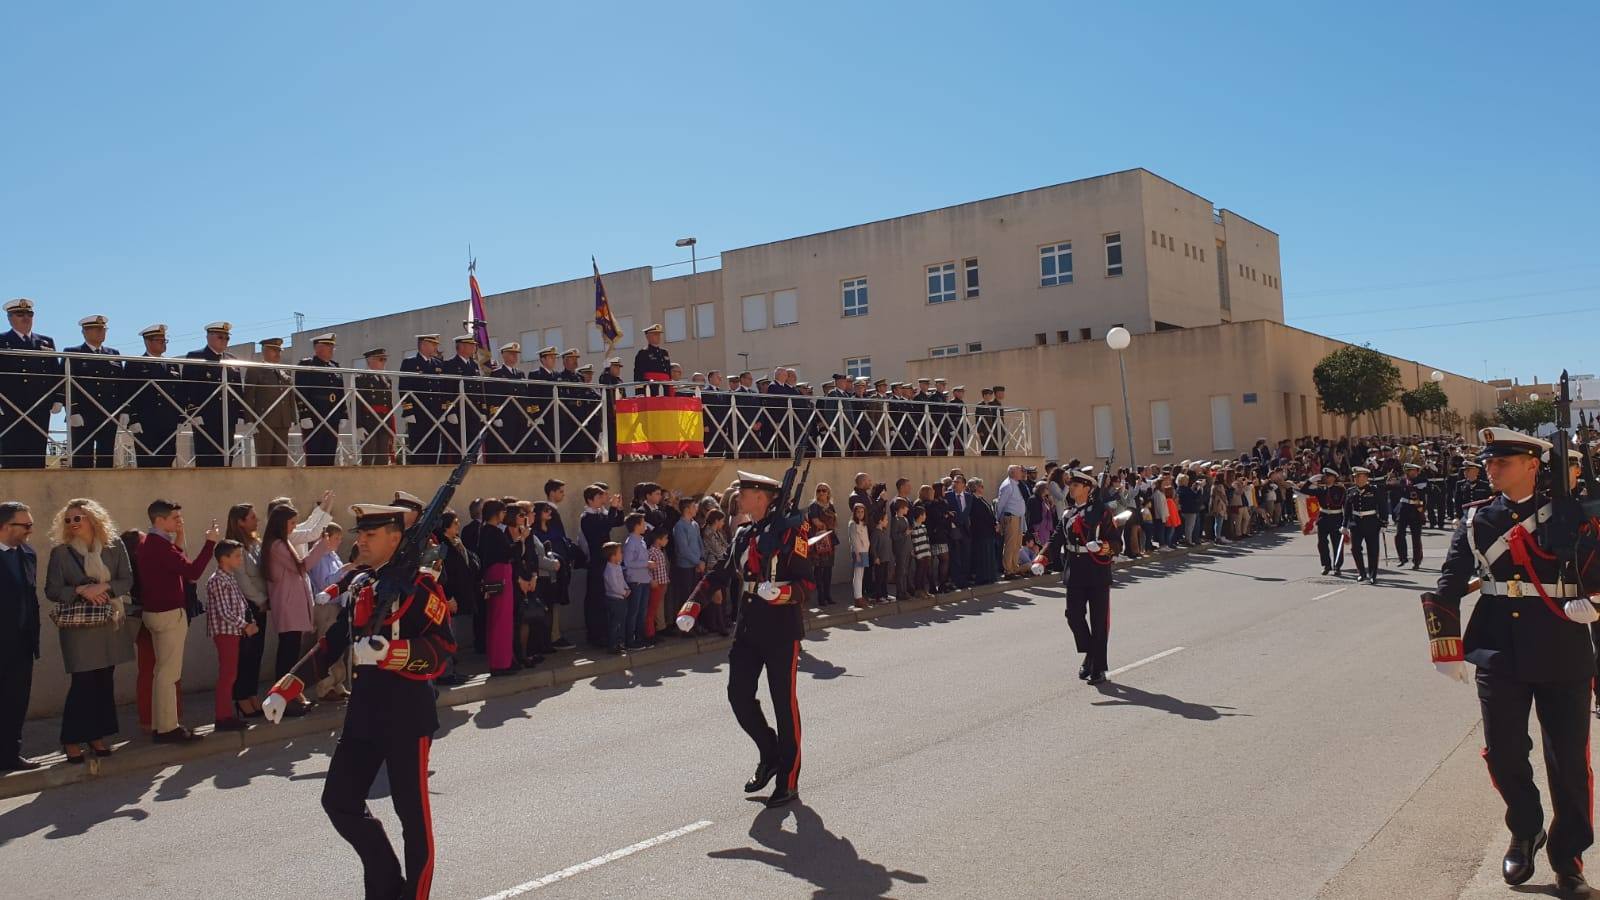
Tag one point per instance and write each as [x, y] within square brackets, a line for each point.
[375, 410]
[1364, 519]
[155, 404]
[983, 423]
[1330, 520]
[213, 409]
[1434, 495]
[1410, 509]
[509, 431]
[464, 408]
[542, 391]
[98, 390]
[1528, 642]
[1087, 539]
[767, 560]
[578, 432]
[30, 390]
[396, 648]
[653, 362]
[321, 402]
[422, 401]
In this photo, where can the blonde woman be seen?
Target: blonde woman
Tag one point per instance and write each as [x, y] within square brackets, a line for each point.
[90, 563]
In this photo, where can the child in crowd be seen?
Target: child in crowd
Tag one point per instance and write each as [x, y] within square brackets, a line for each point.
[1027, 552]
[616, 587]
[860, 548]
[714, 535]
[900, 545]
[880, 556]
[636, 566]
[822, 560]
[227, 619]
[922, 549]
[655, 618]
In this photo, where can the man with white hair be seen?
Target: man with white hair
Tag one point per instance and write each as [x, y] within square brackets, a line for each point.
[1012, 508]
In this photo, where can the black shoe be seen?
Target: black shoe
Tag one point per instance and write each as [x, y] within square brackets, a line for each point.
[1083, 674]
[1416, 565]
[1571, 885]
[451, 679]
[1327, 569]
[1097, 678]
[763, 777]
[295, 710]
[782, 797]
[563, 644]
[1517, 867]
[181, 735]
[17, 764]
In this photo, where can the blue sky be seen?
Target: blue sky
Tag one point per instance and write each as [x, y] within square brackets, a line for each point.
[1427, 164]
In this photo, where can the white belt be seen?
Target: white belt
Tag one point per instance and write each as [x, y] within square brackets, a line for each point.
[1415, 502]
[1071, 549]
[1365, 512]
[1503, 589]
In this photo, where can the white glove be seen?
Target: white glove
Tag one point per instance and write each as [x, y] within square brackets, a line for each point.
[273, 708]
[409, 420]
[55, 408]
[136, 428]
[247, 430]
[1455, 670]
[75, 420]
[1580, 610]
[768, 591]
[1092, 546]
[453, 419]
[305, 425]
[1037, 568]
[371, 651]
[199, 422]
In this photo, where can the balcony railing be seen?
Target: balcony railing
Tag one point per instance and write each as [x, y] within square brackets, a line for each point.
[105, 411]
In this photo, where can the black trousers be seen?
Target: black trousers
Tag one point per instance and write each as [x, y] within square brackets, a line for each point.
[1563, 711]
[321, 445]
[594, 605]
[16, 686]
[94, 443]
[90, 712]
[156, 444]
[780, 660]
[344, 798]
[1408, 523]
[1364, 544]
[961, 563]
[1435, 511]
[211, 442]
[1329, 535]
[1089, 617]
[22, 440]
[289, 651]
[247, 677]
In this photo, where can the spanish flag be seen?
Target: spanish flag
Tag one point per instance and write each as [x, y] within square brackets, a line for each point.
[603, 319]
[660, 426]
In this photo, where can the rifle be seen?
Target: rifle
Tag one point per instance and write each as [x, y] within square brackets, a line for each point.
[1560, 533]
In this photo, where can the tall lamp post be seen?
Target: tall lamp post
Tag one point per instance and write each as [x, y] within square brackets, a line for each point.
[694, 262]
[1118, 339]
[1437, 377]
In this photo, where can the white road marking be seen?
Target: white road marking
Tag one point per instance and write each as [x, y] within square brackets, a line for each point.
[598, 861]
[1148, 659]
[1330, 593]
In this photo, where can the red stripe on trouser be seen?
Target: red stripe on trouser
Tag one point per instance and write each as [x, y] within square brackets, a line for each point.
[425, 878]
[1486, 765]
[794, 711]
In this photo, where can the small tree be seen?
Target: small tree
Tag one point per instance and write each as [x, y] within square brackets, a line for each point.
[1355, 381]
[1448, 420]
[1429, 397]
[1526, 415]
[1479, 420]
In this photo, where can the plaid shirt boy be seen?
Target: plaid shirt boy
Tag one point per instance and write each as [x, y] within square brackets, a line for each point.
[658, 567]
[225, 605]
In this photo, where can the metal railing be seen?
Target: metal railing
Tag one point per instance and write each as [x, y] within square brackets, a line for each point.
[105, 411]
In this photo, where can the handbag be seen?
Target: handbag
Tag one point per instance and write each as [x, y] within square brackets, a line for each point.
[80, 613]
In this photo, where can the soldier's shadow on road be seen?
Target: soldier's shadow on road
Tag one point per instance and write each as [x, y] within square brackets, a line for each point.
[811, 853]
[1125, 695]
[957, 609]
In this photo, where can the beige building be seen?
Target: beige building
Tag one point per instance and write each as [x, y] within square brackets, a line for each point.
[1199, 393]
[1055, 265]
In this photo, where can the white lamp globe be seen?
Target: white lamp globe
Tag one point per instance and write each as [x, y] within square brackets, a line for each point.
[1118, 338]
[1436, 376]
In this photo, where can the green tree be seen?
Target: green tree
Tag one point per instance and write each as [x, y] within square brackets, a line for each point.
[1526, 415]
[1428, 398]
[1479, 420]
[1354, 381]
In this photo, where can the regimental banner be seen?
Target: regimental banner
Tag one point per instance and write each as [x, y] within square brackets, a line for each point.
[660, 426]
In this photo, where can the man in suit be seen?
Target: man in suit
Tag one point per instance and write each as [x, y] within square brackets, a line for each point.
[213, 437]
[97, 392]
[321, 401]
[30, 390]
[271, 403]
[157, 398]
[19, 630]
[960, 503]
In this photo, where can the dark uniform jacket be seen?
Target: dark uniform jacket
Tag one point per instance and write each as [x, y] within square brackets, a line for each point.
[652, 364]
[376, 401]
[1364, 507]
[154, 411]
[202, 394]
[321, 394]
[1411, 499]
[780, 555]
[423, 398]
[19, 604]
[1472, 491]
[100, 379]
[25, 380]
[1076, 527]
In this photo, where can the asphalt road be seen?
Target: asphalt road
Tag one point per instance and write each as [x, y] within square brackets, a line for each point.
[1279, 734]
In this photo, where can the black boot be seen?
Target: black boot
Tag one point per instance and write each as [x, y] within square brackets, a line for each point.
[765, 772]
[1083, 675]
[780, 797]
[1571, 885]
[1518, 866]
[1097, 678]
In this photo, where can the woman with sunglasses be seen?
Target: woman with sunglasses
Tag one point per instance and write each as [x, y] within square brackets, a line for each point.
[89, 562]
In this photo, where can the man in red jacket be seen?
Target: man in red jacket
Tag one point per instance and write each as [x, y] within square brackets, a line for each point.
[163, 570]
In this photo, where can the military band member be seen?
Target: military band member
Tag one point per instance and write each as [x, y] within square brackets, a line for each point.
[1087, 540]
[211, 413]
[396, 649]
[321, 396]
[1410, 509]
[1434, 495]
[463, 416]
[1531, 650]
[1364, 519]
[30, 390]
[422, 401]
[375, 411]
[1330, 520]
[1472, 487]
[154, 408]
[653, 362]
[269, 396]
[98, 391]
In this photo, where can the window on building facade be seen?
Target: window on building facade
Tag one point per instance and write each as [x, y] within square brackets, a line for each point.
[597, 343]
[858, 366]
[1202, 254]
[855, 297]
[675, 325]
[975, 347]
[1160, 426]
[755, 312]
[1155, 238]
[1063, 337]
[972, 278]
[1085, 334]
[785, 307]
[1114, 254]
[1186, 249]
[942, 283]
[1055, 264]
[705, 320]
[947, 350]
[530, 345]
[1039, 338]
[552, 338]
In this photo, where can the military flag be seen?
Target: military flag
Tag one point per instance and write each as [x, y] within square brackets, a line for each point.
[603, 319]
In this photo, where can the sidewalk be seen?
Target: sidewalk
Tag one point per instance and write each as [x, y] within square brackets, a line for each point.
[139, 753]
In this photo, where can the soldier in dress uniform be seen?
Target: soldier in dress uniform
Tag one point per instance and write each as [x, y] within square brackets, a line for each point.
[268, 394]
[509, 426]
[464, 415]
[1087, 538]
[154, 409]
[586, 372]
[1410, 509]
[1434, 496]
[1364, 519]
[983, 423]
[767, 562]
[321, 396]
[944, 418]
[1472, 487]
[375, 411]
[1330, 520]
[98, 389]
[1528, 642]
[422, 401]
[613, 372]
[653, 362]
[30, 390]
[212, 415]
[578, 434]
[396, 649]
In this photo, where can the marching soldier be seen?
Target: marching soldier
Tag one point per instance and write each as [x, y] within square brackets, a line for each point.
[321, 396]
[1433, 495]
[30, 390]
[375, 411]
[154, 407]
[1530, 648]
[396, 650]
[1471, 488]
[1409, 511]
[98, 390]
[422, 401]
[269, 396]
[1330, 520]
[463, 416]
[1364, 518]
[211, 414]
[1088, 538]
[653, 362]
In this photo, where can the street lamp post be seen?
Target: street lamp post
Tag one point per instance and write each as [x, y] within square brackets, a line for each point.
[694, 263]
[1118, 339]
[1437, 377]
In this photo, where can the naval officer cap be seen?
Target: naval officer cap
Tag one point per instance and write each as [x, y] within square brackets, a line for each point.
[407, 501]
[428, 338]
[219, 328]
[377, 515]
[572, 352]
[1084, 475]
[549, 351]
[1505, 442]
[614, 361]
[1360, 470]
[466, 339]
[1328, 471]
[19, 305]
[586, 368]
[758, 481]
[272, 342]
[153, 331]
[92, 322]
[511, 347]
[838, 377]
[654, 329]
[376, 353]
[1573, 456]
[924, 381]
[331, 339]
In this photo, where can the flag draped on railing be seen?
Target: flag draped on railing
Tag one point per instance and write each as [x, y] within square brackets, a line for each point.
[660, 426]
[603, 319]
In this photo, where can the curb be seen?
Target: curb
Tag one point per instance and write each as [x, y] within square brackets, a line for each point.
[139, 755]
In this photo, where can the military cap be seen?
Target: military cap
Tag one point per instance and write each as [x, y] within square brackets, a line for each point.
[153, 331]
[409, 501]
[272, 342]
[804, 384]
[987, 391]
[330, 339]
[756, 480]
[1328, 471]
[959, 387]
[882, 381]
[924, 381]
[376, 515]
[837, 377]
[654, 329]
[1471, 464]
[938, 381]
[586, 368]
[92, 322]
[614, 361]
[219, 328]
[375, 352]
[1572, 454]
[1085, 476]
[511, 347]
[763, 380]
[21, 304]
[1360, 470]
[466, 339]
[1412, 466]
[432, 338]
[571, 351]
[549, 351]
[999, 387]
[862, 379]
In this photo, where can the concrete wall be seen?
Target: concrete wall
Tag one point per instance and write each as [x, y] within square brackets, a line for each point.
[207, 493]
[1178, 226]
[1255, 248]
[696, 352]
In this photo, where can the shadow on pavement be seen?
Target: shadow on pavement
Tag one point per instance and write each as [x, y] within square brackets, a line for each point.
[1123, 695]
[811, 853]
[962, 609]
[655, 674]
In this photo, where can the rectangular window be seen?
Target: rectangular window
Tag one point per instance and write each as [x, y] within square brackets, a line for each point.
[1103, 435]
[942, 283]
[975, 347]
[597, 344]
[858, 367]
[786, 307]
[1186, 248]
[972, 278]
[1055, 264]
[1155, 238]
[1039, 338]
[755, 312]
[947, 350]
[1221, 422]
[1085, 334]
[552, 338]
[705, 320]
[1202, 254]
[530, 345]
[1047, 432]
[1160, 426]
[855, 297]
[1063, 337]
[676, 325]
[1114, 254]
